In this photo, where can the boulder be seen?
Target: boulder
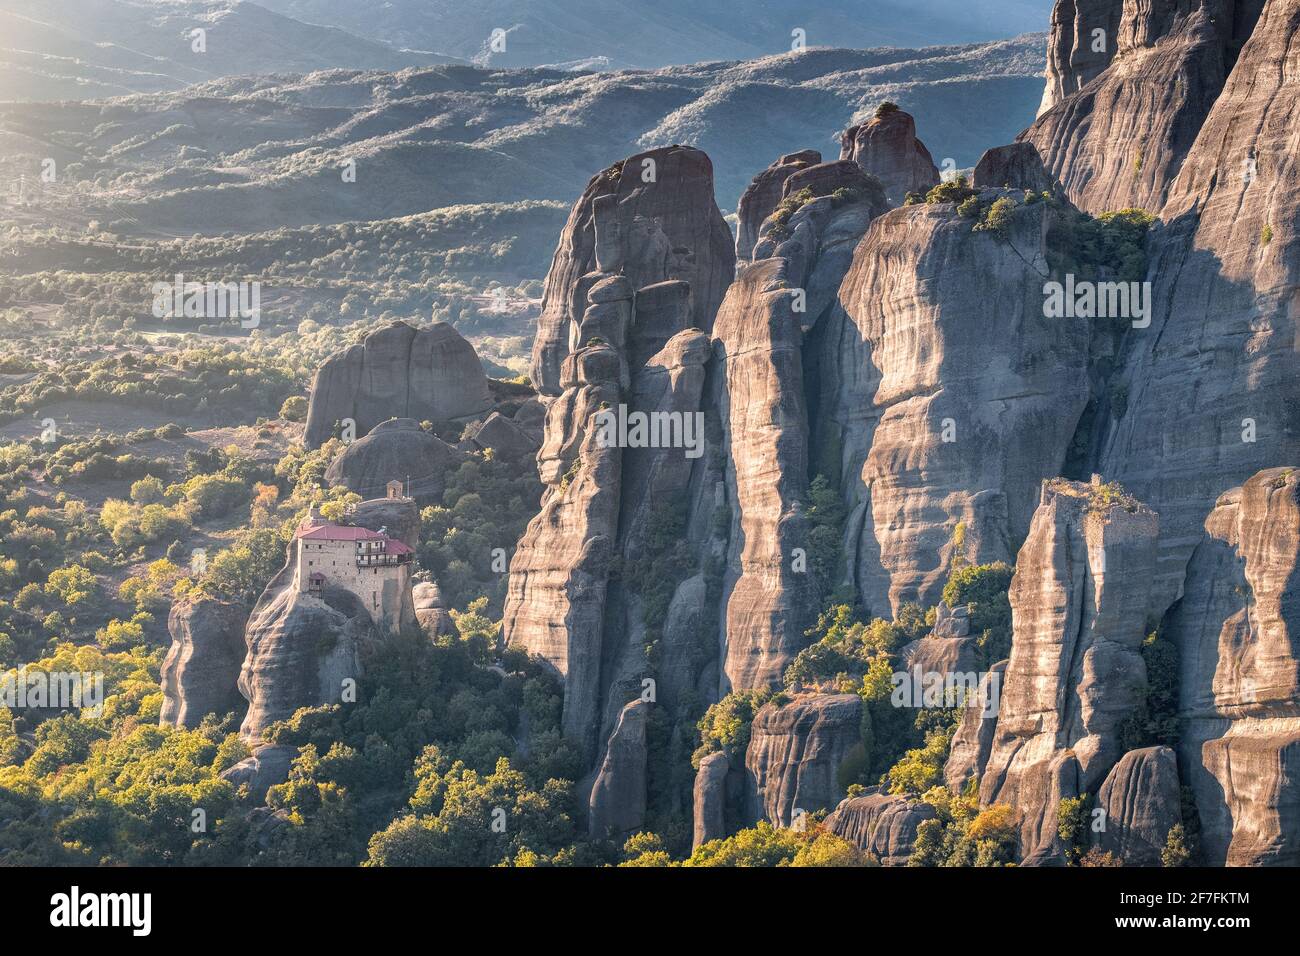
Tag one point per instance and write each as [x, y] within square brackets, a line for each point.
[506, 438]
[397, 517]
[795, 753]
[1141, 801]
[302, 647]
[1017, 166]
[398, 371]
[397, 449]
[886, 146]
[431, 612]
[200, 674]
[268, 767]
[881, 824]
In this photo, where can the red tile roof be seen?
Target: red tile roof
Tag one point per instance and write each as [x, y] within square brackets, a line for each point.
[337, 532]
[328, 531]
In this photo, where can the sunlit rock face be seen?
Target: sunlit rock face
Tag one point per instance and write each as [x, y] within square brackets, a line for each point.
[1236, 631]
[946, 393]
[1080, 602]
[1212, 384]
[429, 373]
[657, 221]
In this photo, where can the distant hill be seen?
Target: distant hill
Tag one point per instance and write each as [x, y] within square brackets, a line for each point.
[85, 49]
[637, 34]
[247, 154]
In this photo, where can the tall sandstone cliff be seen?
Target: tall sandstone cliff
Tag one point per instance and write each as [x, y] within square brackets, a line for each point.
[657, 222]
[905, 356]
[611, 582]
[953, 397]
[1080, 600]
[768, 377]
[1213, 382]
[1237, 628]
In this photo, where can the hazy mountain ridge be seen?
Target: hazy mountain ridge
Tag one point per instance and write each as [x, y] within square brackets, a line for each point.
[83, 49]
[626, 33]
[245, 154]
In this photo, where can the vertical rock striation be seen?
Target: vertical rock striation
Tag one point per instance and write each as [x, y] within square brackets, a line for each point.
[1239, 693]
[1211, 385]
[795, 753]
[1076, 52]
[610, 583]
[1080, 600]
[1121, 139]
[768, 598]
[952, 396]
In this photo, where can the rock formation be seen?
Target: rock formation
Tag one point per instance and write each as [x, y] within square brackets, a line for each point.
[795, 754]
[886, 146]
[1080, 600]
[760, 198]
[201, 671]
[768, 596]
[1210, 383]
[711, 796]
[1017, 165]
[759, 344]
[430, 373]
[1141, 803]
[618, 797]
[504, 436]
[268, 766]
[398, 517]
[627, 306]
[968, 754]
[905, 356]
[430, 611]
[947, 394]
[396, 449]
[649, 218]
[301, 650]
[307, 647]
[949, 648]
[1117, 122]
[1076, 50]
[1236, 629]
[881, 824]
[1120, 140]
